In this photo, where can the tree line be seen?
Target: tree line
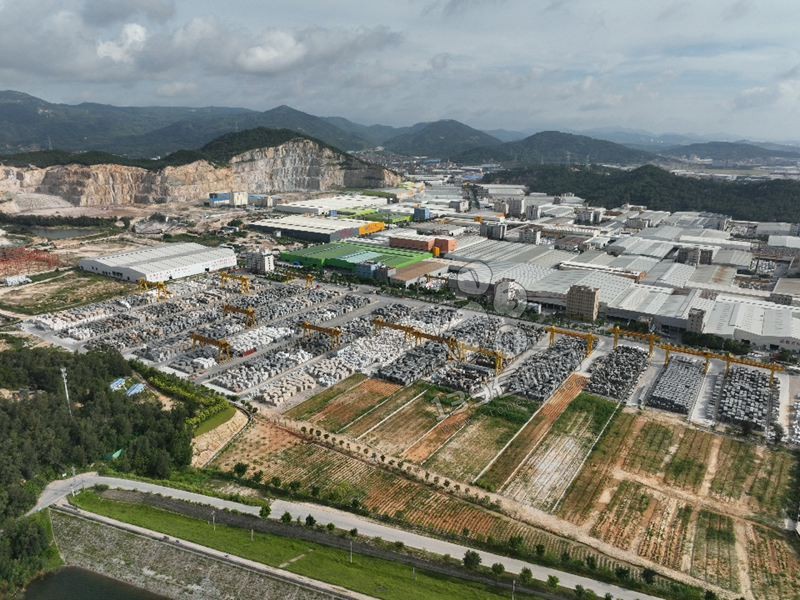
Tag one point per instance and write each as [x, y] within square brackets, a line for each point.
[777, 200]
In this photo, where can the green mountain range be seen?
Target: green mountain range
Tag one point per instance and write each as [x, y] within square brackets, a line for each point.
[218, 151]
[555, 147]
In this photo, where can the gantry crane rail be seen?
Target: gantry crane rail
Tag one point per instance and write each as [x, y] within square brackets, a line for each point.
[333, 332]
[650, 338]
[589, 338]
[244, 282]
[249, 313]
[224, 347]
[458, 350]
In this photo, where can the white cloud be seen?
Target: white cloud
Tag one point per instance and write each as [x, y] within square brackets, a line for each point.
[278, 51]
[130, 41]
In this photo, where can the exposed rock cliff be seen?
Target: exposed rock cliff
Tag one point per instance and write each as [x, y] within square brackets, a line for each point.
[297, 165]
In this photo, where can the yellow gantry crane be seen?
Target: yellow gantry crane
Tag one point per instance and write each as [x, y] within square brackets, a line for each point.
[249, 313]
[589, 338]
[457, 349]
[333, 332]
[728, 359]
[651, 338]
[162, 292]
[224, 347]
[244, 282]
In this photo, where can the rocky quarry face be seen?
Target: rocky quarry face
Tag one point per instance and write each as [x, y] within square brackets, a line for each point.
[297, 165]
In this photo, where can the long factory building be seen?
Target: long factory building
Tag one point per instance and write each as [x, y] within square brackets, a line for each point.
[317, 229]
[161, 263]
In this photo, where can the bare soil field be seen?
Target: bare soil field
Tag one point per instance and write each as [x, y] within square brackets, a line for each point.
[341, 478]
[353, 403]
[471, 449]
[650, 449]
[71, 289]
[405, 427]
[372, 418]
[439, 435]
[259, 441]
[579, 501]
[684, 498]
[628, 510]
[306, 410]
[205, 446]
[665, 536]
[688, 465]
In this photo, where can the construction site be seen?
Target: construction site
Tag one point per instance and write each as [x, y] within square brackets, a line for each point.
[613, 444]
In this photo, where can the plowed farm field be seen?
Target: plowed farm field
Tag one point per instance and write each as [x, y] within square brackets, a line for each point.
[338, 477]
[688, 465]
[585, 491]
[471, 449]
[313, 405]
[773, 564]
[714, 550]
[532, 434]
[353, 403]
[631, 506]
[259, 440]
[438, 436]
[545, 475]
[406, 426]
[665, 536]
[374, 417]
[650, 449]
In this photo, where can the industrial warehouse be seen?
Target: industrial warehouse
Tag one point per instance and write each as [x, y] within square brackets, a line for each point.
[162, 263]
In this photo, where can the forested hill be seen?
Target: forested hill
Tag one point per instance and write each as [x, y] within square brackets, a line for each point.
[217, 151]
[555, 147]
[660, 190]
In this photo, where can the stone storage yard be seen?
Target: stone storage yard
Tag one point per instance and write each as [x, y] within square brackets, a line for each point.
[419, 362]
[678, 385]
[615, 375]
[746, 396]
[541, 374]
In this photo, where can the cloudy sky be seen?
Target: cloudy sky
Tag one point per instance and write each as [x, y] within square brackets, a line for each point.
[702, 66]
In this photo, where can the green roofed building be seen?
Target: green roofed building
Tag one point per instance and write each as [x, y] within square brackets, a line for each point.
[347, 255]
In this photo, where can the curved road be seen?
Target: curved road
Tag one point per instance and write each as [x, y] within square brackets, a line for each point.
[59, 489]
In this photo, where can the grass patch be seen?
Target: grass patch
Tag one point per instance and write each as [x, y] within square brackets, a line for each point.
[215, 421]
[599, 409]
[509, 408]
[379, 578]
[313, 405]
[74, 289]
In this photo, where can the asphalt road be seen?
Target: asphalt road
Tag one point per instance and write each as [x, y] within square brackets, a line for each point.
[61, 488]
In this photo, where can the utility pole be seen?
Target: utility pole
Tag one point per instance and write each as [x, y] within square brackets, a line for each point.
[351, 552]
[66, 390]
[214, 520]
[513, 588]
